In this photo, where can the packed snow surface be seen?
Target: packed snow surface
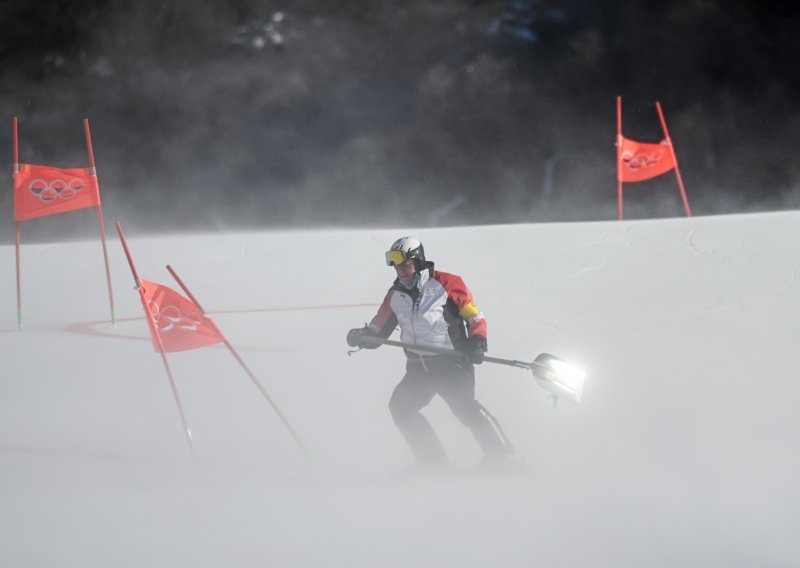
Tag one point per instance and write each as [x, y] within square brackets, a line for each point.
[683, 451]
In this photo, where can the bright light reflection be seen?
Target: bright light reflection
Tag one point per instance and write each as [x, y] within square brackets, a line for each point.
[562, 379]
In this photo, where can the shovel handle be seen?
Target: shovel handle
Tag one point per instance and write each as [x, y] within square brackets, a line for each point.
[549, 380]
[442, 351]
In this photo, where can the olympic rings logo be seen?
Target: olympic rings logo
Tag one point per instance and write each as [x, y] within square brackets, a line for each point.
[641, 159]
[49, 191]
[170, 318]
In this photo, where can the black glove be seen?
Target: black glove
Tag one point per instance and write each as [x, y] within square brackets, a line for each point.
[475, 349]
[355, 336]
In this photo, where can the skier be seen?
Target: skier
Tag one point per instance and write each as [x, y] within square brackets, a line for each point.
[434, 308]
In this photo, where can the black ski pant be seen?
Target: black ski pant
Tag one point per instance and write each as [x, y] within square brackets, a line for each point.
[426, 377]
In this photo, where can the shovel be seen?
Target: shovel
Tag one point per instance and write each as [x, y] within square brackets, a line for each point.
[558, 377]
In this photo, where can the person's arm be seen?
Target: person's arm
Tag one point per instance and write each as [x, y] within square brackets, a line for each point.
[385, 321]
[476, 344]
[382, 325]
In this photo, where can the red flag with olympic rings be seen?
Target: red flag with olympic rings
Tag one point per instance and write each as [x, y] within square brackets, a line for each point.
[45, 190]
[176, 321]
[640, 160]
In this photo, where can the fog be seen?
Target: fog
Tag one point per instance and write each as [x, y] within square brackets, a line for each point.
[682, 450]
[252, 115]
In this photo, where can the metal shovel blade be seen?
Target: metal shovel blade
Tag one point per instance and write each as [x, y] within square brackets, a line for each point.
[560, 378]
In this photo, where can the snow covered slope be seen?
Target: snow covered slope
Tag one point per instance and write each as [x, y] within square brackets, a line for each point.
[683, 451]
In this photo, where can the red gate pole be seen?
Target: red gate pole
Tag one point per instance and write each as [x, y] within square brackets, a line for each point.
[619, 158]
[93, 172]
[17, 228]
[674, 161]
[154, 332]
[19, 287]
[241, 362]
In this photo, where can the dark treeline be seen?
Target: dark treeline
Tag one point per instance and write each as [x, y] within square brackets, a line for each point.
[273, 114]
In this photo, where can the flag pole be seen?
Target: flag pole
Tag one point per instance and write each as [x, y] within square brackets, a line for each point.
[93, 173]
[674, 161]
[157, 338]
[174, 390]
[19, 288]
[16, 148]
[16, 227]
[619, 158]
[241, 362]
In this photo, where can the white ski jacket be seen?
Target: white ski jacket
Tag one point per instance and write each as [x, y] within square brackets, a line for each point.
[439, 311]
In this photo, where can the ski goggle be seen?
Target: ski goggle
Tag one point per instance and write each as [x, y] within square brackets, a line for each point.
[395, 257]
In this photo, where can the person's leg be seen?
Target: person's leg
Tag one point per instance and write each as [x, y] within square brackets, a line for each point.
[412, 394]
[456, 386]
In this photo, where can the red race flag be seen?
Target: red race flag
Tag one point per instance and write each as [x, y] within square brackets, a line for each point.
[176, 321]
[44, 190]
[640, 161]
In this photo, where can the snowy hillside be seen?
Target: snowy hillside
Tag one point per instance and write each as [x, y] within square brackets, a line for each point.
[683, 451]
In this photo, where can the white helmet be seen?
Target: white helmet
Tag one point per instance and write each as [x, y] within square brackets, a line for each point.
[406, 248]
